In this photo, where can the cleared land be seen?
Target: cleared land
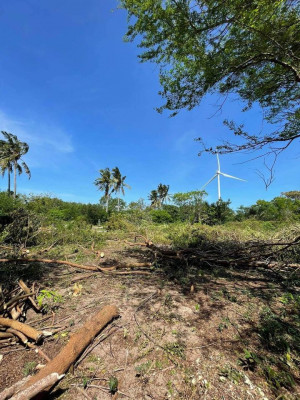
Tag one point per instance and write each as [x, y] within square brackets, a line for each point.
[188, 329]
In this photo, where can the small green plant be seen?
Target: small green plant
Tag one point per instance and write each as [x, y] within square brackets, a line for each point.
[48, 299]
[249, 360]
[168, 302]
[227, 295]
[85, 381]
[142, 369]
[278, 379]
[113, 384]
[29, 368]
[170, 387]
[231, 373]
[224, 324]
[176, 349]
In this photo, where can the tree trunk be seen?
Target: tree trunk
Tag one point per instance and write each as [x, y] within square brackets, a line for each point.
[8, 187]
[77, 344]
[118, 204]
[15, 179]
[107, 198]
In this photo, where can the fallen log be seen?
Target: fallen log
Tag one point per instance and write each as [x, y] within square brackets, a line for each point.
[38, 387]
[9, 392]
[76, 345]
[23, 328]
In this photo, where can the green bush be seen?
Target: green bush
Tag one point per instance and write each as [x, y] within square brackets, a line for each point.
[8, 204]
[118, 221]
[161, 216]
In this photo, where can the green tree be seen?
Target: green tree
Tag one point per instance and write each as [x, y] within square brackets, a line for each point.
[220, 212]
[163, 193]
[6, 163]
[114, 204]
[293, 194]
[105, 184]
[191, 205]
[248, 47]
[154, 198]
[119, 183]
[12, 150]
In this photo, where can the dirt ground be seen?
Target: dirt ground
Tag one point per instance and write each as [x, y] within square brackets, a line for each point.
[173, 340]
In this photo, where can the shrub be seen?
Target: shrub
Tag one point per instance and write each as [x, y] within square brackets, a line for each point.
[118, 221]
[161, 216]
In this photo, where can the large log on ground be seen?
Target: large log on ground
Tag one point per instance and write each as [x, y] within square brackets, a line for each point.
[76, 345]
[37, 387]
[9, 392]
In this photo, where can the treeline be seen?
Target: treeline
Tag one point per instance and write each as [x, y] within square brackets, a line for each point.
[183, 207]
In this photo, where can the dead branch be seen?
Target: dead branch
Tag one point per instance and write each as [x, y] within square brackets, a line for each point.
[23, 328]
[15, 300]
[18, 334]
[9, 392]
[38, 387]
[26, 289]
[39, 351]
[80, 277]
[71, 264]
[76, 345]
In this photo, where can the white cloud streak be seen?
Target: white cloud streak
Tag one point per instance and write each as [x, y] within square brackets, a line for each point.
[45, 140]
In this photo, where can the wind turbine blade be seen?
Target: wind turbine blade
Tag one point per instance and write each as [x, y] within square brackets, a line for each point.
[233, 177]
[209, 181]
[219, 168]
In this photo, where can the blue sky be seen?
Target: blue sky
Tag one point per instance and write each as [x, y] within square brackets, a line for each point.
[77, 94]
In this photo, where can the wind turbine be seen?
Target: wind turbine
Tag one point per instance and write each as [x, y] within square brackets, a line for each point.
[217, 175]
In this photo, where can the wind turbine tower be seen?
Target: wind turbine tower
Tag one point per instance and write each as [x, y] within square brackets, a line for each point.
[217, 175]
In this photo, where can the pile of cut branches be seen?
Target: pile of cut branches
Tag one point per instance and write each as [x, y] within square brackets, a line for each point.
[40, 384]
[21, 256]
[14, 305]
[270, 254]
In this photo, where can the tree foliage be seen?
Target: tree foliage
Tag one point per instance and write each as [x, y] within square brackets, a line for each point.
[119, 184]
[248, 47]
[11, 152]
[159, 196]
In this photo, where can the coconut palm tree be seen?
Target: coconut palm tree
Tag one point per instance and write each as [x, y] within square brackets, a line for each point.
[5, 162]
[12, 150]
[119, 183]
[163, 191]
[105, 183]
[154, 198]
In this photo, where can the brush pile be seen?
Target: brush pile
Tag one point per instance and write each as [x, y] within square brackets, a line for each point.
[14, 305]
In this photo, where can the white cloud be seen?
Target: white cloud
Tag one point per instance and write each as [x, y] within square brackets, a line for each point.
[44, 139]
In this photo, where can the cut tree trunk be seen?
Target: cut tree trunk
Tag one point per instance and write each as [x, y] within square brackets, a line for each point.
[9, 392]
[76, 345]
[23, 328]
[37, 387]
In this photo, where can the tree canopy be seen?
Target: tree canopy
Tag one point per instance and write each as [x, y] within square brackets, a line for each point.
[247, 47]
[11, 152]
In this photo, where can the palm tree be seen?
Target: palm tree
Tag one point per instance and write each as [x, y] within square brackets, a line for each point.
[105, 183]
[11, 153]
[119, 183]
[5, 162]
[163, 191]
[154, 198]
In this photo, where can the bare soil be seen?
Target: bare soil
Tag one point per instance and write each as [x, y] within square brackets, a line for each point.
[175, 339]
